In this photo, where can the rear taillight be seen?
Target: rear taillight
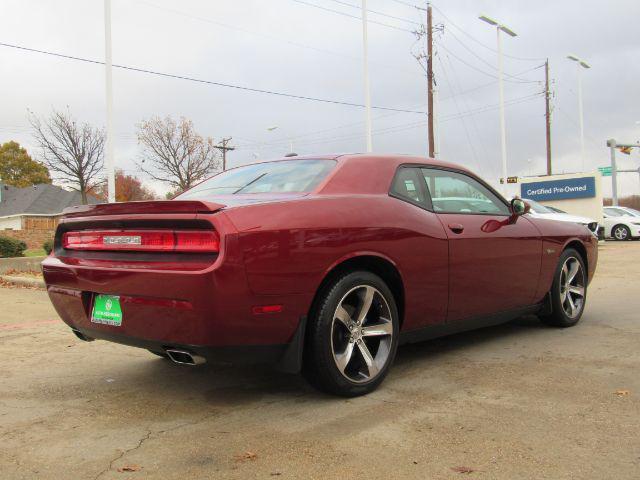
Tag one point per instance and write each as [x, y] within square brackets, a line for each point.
[143, 240]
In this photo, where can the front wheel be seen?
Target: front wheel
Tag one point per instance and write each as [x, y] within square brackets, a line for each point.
[569, 290]
[352, 335]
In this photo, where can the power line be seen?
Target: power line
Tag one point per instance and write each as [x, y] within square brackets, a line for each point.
[402, 127]
[268, 36]
[283, 140]
[347, 4]
[486, 62]
[462, 30]
[407, 4]
[338, 12]
[482, 71]
[211, 82]
[484, 85]
[464, 124]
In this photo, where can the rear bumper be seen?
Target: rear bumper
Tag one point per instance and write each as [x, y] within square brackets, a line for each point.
[208, 312]
[236, 354]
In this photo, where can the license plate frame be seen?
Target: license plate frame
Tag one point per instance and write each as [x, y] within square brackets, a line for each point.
[106, 310]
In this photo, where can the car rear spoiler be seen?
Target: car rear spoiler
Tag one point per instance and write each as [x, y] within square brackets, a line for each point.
[146, 207]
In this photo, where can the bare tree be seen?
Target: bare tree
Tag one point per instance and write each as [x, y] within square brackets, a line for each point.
[174, 153]
[74, 153]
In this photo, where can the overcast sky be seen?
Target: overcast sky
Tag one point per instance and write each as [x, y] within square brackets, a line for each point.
[292, 47]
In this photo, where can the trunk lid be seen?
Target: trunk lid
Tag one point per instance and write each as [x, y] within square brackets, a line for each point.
[146, 207]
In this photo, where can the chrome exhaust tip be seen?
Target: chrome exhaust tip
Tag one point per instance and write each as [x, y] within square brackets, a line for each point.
[185, 358]
[82, 336]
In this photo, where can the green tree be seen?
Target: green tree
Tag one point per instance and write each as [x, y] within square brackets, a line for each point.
[17, 168]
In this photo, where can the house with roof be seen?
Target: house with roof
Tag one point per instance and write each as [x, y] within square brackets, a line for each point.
[37, 207]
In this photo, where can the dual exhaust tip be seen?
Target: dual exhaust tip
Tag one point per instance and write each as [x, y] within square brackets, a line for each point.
[182, 357]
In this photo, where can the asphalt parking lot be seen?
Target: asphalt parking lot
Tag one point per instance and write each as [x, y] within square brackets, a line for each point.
[516, 401]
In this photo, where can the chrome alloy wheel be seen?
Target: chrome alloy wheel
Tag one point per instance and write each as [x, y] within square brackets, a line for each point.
[361, 334]
[572, 287]
[620, 233]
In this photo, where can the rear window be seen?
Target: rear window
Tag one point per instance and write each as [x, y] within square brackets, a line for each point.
[289, 176]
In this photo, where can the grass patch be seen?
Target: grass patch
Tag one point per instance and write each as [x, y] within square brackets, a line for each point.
[35, 252]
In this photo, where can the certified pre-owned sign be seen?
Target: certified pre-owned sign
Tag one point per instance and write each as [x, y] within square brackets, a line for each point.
[583, 187]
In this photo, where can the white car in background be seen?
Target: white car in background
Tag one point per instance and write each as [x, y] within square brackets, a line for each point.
[538, 210]
[624, 211]
[621, 223]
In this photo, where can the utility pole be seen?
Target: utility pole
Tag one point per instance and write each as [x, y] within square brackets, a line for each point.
[224, 148]
[365, 68]
[109, 164]
[614, 172]
[430, 80]
[547, 95]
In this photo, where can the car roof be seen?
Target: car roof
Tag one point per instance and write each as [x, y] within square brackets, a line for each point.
[380, 169]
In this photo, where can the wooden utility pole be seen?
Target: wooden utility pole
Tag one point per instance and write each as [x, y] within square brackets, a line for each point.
[224, 148]
[430, 80]
[547, 95]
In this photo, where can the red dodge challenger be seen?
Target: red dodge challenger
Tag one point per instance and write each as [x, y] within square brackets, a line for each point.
[320, 264]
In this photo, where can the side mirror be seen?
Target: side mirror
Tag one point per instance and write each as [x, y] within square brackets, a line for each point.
[519, 207]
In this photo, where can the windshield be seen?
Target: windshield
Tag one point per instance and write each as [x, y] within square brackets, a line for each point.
[287, 176]
[537, 208]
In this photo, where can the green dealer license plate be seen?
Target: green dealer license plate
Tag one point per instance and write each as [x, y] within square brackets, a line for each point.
[106, 310]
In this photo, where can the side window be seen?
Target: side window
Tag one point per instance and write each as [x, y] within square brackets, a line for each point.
[453, 192]
[408, 184]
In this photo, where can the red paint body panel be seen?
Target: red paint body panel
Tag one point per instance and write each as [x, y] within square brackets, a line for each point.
[277, 249]
[491, 272]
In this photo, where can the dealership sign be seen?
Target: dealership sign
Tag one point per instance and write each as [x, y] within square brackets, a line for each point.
[584, 187]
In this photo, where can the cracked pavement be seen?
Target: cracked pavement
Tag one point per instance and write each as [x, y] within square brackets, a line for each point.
[515, 401]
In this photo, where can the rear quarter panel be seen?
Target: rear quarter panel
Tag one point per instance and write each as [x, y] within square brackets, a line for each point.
[288, 248]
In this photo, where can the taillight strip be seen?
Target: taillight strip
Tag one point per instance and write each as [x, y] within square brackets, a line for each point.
[142, 240]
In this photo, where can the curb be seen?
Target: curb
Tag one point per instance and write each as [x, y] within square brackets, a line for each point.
[20, 264]
[23, 281]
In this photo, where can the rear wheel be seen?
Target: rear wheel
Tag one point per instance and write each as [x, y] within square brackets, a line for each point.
[569, 290]
[352, 335]
[621, 232]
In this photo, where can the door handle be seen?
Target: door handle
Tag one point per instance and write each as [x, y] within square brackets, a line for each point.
[456, 228]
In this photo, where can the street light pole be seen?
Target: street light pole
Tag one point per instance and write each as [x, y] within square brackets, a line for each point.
[503, 131]
[365, 67]
[580, 64]
[271, 129]
[109, 164]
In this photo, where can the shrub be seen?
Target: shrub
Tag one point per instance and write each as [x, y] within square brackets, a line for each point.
[10, 247]
[48, 246]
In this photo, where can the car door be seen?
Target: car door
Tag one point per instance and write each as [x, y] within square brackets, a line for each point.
[611, 217]
[489, 272]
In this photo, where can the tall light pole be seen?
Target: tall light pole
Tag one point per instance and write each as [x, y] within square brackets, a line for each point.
[365, 68]
[580, 64]
[109, 164]
[275, 127]
[503, 135]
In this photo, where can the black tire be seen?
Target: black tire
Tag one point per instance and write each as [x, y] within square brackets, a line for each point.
[559, 304]
[621, 233]
[320, 365]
